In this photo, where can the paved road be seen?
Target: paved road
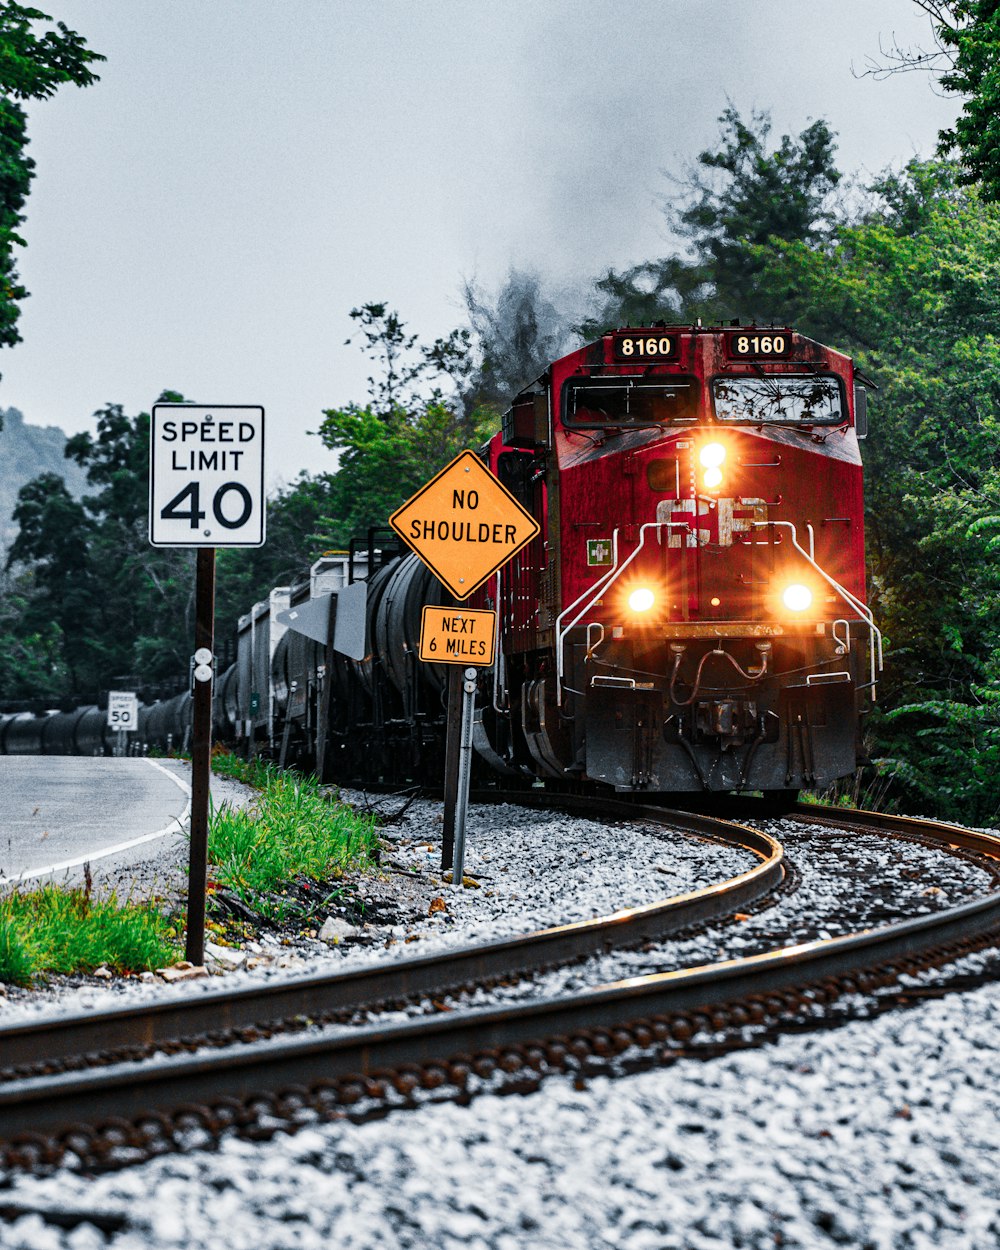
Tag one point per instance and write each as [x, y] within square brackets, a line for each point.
[59, 811]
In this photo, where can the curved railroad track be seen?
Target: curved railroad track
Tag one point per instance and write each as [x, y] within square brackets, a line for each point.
[114, 1086]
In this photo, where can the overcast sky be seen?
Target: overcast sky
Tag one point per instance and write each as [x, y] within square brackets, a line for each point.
[245, 173]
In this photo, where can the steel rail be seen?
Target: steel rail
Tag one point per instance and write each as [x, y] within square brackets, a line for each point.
[854, 818]
[625, 1010]
[131, 1091]
[49, 1039]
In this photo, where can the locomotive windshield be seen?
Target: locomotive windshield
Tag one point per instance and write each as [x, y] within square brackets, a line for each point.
[623, 402]
[779, 399]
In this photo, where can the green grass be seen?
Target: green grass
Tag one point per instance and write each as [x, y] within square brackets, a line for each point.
[282, 856]
[256, 772]
[291, 835]
[53, 929]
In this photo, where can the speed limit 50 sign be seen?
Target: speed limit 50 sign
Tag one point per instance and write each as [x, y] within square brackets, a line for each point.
[206, 476]
[123, 710]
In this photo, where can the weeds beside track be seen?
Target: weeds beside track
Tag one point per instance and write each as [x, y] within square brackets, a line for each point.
[282, 857]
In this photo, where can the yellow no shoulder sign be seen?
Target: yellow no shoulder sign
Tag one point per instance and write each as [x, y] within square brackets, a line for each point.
[464, 524]
[457, 636]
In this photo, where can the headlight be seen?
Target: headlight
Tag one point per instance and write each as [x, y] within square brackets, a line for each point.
[641, 599]
[797, 598]
[711, 456]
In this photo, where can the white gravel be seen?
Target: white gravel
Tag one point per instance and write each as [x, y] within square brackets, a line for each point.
[535, 869]
[881, 1135]
[846, 884]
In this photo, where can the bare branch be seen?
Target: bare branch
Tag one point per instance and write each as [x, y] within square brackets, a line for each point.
[895, 58]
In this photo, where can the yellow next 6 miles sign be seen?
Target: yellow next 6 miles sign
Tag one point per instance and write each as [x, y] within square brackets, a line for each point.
[457, 636]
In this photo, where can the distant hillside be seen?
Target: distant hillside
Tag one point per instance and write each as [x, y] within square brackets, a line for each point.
[26, 451]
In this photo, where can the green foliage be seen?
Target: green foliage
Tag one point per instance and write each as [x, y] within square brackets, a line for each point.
[32, 67]
[114, 605]
[16, 173]
[31, 653]
[739, 198]
[255, 772]
[911, 288]
[408, 429]
[970, 29]
[53, 929]
[955, 767]
[292, 833]
[16, 965]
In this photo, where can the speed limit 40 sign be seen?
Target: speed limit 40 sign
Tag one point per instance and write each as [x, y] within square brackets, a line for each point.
[206, 476]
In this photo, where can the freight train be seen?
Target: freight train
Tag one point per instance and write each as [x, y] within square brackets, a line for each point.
[690, 618]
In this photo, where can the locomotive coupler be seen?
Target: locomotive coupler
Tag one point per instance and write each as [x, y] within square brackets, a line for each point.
[728, 722]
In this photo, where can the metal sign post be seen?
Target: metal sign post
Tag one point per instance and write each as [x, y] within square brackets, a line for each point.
[201, 753]
[466, 679]
[206, 490]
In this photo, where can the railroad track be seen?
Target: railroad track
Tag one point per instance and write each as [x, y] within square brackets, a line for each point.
[116, 1086]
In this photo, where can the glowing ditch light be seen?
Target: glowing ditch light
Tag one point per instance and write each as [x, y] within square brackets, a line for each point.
[641, 600]
[712, 455]
[797, 598]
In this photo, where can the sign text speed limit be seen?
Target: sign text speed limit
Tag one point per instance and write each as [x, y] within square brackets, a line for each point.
[206, 476]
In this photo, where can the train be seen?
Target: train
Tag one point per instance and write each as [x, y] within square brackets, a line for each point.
[690, 619]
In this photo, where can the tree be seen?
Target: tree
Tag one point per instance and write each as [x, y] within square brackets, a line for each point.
[120, 606]
[911, 288]
[415, 420]
[54, 538]
[966, 58]
[32, 67]
[739, 198]
[974, 36]
[31, 663]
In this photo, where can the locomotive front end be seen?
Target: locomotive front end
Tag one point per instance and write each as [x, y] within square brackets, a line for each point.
[701, 621]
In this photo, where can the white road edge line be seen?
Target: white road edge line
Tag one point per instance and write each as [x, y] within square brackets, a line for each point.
[176, 825]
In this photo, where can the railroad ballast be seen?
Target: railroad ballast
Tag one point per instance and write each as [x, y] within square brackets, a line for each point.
[691, 616]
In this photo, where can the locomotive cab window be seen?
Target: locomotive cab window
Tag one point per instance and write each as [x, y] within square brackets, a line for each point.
[629, 403]
[779, 399]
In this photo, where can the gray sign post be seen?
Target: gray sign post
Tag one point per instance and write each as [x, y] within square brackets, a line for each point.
[461, 803]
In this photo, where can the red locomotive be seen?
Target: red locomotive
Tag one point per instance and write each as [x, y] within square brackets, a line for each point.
[692, 614]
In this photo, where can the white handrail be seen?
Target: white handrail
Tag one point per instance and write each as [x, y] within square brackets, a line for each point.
[598, 589]
[594, 592]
